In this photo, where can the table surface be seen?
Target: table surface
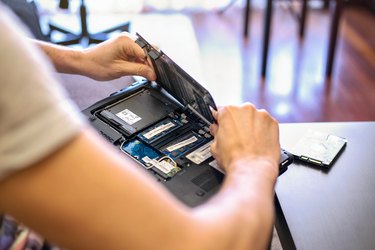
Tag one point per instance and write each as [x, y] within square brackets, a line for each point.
[332, 209]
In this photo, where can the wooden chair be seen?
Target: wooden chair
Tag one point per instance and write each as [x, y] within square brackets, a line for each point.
[334, 29]
[301, 18]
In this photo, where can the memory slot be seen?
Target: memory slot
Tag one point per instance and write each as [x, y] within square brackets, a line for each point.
[172, 136]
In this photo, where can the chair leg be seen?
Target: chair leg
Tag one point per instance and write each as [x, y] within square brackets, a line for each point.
[98, 37]
[266, 36]
[53, 27]
[121, 27]
[302, 23]
[246, 19]
[104, 34]
[335, 24]
[221, 11]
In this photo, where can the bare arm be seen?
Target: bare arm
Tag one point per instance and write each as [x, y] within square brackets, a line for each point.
[87, 196]
[109, 60]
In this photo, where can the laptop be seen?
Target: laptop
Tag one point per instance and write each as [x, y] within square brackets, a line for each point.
[164, 127]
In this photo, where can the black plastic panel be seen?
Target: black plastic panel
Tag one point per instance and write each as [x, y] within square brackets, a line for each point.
[179, 83]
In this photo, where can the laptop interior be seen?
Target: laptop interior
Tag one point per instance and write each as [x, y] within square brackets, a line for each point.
[164, 127]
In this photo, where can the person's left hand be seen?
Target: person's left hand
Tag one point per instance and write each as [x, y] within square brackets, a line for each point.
[115, 58]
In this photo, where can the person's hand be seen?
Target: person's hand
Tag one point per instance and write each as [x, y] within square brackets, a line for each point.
[244, 133]
[115, 58]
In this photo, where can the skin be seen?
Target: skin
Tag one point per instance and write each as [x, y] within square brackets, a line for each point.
[88, 196]
[109, 60]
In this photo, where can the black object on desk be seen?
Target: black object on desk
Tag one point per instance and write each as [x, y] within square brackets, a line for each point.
[72, 38]
[332, 209]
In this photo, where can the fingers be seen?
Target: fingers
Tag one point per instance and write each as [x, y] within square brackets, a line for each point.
[144, 70]
[133, 37]
[132, 49]
[213, 129]
[213, 149]
[141, 65]
[243, 131]
[214, 114]
[137, 52]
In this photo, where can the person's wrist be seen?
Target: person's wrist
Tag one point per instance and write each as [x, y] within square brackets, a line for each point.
[73, 61]
[264, 166]
[84, 62]
[82, 59]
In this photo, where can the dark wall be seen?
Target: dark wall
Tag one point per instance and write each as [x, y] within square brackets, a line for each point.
[366, 3]
[371, 4]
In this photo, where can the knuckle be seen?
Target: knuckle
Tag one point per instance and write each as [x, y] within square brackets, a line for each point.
[249, 109]
[274, 121]
[223, 111]
[249, 106]
[124, 37]
[264, 114]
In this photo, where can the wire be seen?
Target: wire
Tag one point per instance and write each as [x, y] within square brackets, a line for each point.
[168, 159]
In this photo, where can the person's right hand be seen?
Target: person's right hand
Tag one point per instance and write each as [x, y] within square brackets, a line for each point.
[244, 133]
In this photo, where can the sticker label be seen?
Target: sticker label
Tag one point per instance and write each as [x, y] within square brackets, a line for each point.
[201, 154]
[159, 130]
[129, 117]
[182, 144]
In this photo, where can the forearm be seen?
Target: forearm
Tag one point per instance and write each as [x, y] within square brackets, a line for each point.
[85, 196]
[109, 60]
[65, 59]
[242, 213]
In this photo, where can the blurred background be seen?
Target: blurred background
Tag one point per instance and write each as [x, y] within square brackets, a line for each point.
[302, 60]
[273, 66]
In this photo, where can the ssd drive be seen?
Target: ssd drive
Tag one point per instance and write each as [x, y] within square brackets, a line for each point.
[130, 116]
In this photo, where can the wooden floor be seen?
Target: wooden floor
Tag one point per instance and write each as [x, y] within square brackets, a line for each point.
[295, 89]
